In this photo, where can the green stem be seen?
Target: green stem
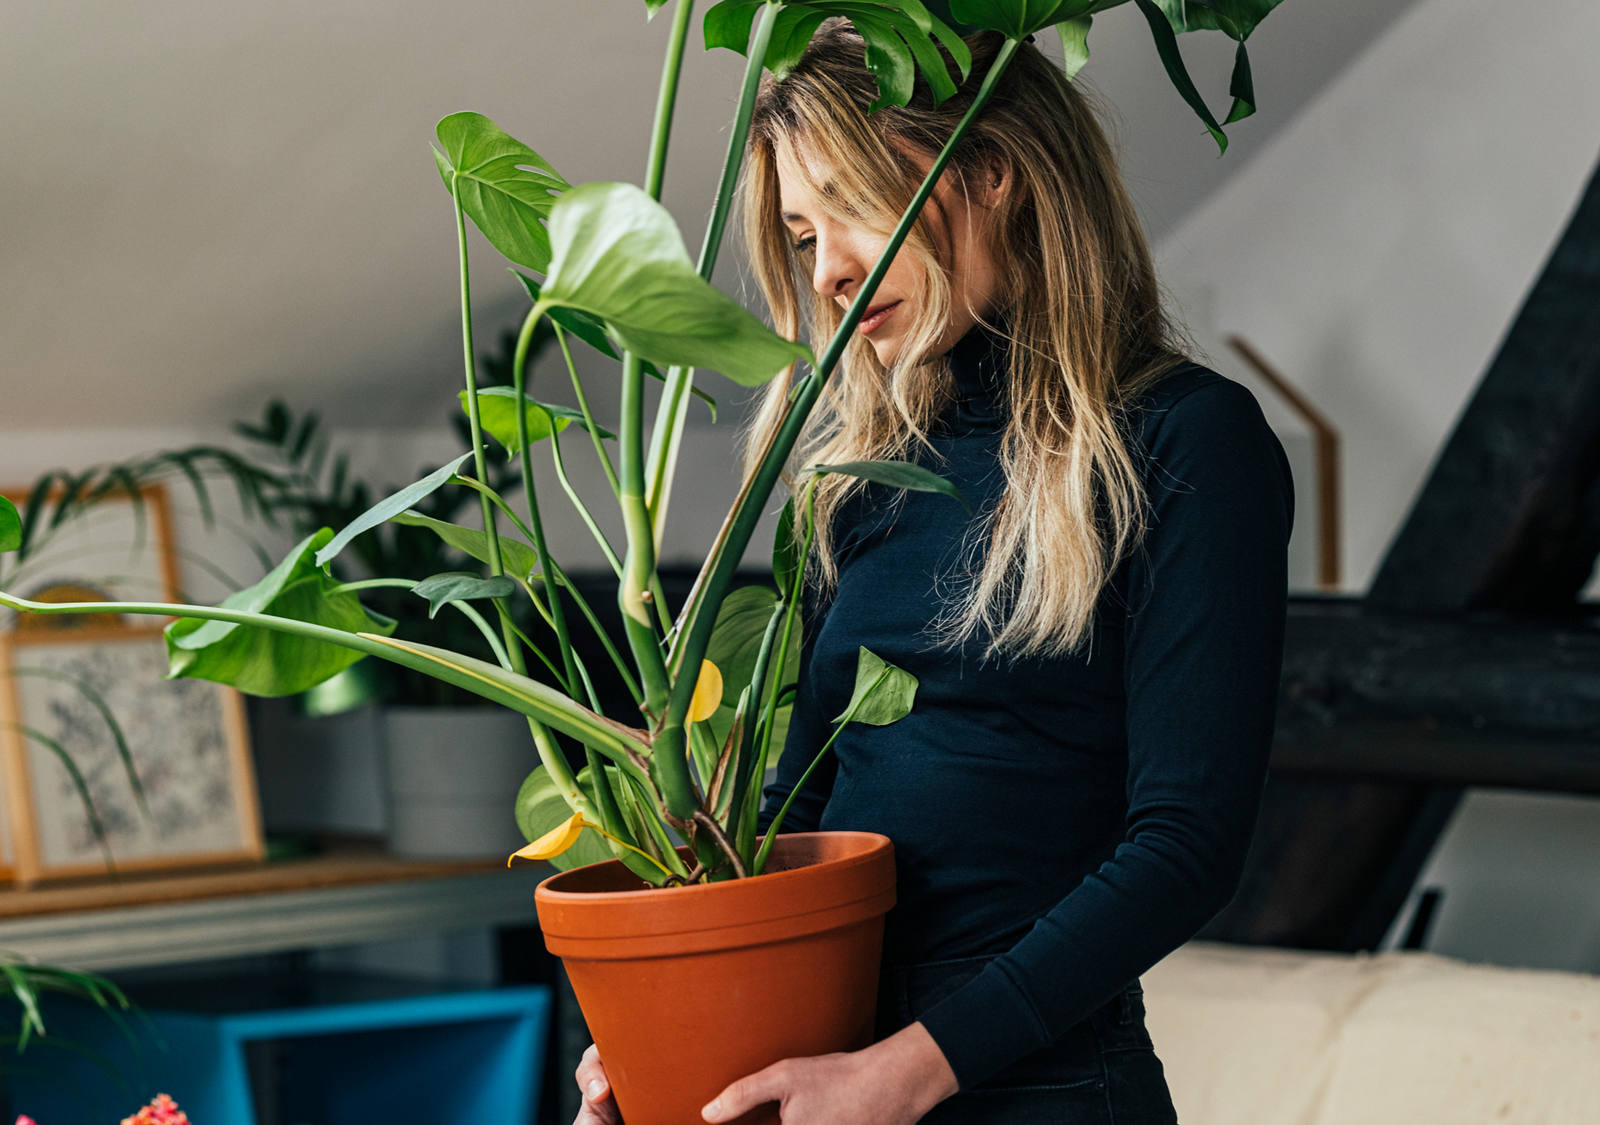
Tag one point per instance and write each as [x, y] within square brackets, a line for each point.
[695, 624]
[669, 766]
[514, 690]
[663, 614]
[777, 821]
[519, 379]
[674, 405]
[471, 614]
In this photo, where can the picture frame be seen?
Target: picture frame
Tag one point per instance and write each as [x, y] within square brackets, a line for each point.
[110, 549]
[187, 740]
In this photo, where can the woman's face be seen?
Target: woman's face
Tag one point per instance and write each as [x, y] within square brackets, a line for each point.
[840, 255]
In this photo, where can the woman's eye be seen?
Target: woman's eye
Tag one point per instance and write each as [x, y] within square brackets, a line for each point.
[805, 245]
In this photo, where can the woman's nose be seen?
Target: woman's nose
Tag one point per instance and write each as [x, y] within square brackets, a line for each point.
[837, 270]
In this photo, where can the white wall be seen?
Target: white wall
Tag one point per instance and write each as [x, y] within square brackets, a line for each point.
[1379, 247]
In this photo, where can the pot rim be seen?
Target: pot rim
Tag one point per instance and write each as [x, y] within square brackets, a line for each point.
[873, 844]
[826, 890]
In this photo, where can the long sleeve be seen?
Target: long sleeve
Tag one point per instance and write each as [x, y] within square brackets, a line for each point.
[808, 730]
[1202, 656]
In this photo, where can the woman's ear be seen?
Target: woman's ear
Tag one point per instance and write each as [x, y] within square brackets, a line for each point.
[997, 181]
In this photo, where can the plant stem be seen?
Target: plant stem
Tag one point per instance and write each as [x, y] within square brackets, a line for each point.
[663, 614]
[674, 405]
[669, 768]
[709, 823]
[777, 821]
[694, 630]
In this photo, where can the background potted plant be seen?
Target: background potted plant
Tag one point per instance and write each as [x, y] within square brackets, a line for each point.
[664, 790]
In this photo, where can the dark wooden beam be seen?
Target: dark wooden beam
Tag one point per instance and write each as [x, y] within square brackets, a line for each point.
[1509, 517]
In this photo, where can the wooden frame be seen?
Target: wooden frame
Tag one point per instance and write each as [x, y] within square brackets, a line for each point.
[187, 738]
[107, 525]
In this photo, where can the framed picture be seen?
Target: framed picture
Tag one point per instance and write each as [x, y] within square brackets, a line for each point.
[70, 805]
[109, 550]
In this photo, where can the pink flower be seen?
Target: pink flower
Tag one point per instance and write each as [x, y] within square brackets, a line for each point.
[162, 1111]
[24, 1119]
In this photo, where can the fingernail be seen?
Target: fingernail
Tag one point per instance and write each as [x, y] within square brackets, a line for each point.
[596, 1088]
[712, 1111]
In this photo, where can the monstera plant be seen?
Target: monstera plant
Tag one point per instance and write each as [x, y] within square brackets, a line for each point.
[671, 788]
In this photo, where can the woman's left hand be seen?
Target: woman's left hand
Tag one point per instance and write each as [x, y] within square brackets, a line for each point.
[893, 1082]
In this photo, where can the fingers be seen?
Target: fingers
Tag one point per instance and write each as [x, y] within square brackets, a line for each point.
[744, 1095]
[599, 1107]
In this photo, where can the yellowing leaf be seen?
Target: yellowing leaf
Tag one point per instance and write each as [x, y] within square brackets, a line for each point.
[553, 842]
[707, 693]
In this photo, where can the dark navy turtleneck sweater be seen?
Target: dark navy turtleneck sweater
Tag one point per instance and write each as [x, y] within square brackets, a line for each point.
[1078, 818]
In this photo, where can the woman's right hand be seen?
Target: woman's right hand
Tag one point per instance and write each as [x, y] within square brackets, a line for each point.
[599, 1107]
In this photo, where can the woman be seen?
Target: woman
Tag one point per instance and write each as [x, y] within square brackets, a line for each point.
[1097, 643]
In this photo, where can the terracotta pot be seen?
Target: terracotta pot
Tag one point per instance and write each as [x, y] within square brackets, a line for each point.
[686, 989]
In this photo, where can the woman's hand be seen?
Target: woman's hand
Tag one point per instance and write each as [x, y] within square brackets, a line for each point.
[599, 1107]
[893, 1082]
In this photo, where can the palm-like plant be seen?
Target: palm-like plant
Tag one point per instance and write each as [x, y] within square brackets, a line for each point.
[612, 271]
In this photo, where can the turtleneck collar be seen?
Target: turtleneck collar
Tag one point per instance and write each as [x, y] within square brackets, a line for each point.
[980, 363]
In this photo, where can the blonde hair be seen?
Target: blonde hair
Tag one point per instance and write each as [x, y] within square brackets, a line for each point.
[1076, 286]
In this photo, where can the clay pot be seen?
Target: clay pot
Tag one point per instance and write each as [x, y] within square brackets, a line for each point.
[686, 989]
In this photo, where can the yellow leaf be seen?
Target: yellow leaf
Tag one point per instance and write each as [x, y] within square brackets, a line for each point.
[553, 842]
[707, 693]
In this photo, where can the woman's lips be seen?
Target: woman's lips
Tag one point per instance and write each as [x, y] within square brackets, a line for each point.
[869, 324]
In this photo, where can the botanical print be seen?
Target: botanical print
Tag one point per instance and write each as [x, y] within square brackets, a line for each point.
[177, 738]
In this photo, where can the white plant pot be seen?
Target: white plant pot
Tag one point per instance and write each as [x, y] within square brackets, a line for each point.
[451, 779]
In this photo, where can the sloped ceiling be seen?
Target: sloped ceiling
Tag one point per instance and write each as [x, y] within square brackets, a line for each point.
[203, 204]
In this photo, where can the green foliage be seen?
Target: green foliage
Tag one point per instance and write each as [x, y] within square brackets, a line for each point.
[10, 526]
[389, 507]
[442, 589]
[505, 188]
[497, 413]
[883, 693]
[899, 37]
[540, 807]
[618, 255]
[897, 474]
[519, 558]
[266, 662]
[27, 982]
[616, 275]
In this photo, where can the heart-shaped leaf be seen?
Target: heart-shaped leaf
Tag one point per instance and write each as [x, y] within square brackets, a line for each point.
[896, 474]
[460, 586]
[540, 808]
[389, 507]
[883, 693]
[262, 661]
[10, 526]
[592, 331]
[497, 413]
[506, 188]
[616, 253]
[517, 557]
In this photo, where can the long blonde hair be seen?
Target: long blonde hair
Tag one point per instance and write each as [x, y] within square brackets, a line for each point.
[1076, 287]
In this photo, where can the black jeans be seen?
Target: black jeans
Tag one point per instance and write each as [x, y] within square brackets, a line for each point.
[1101, 1071]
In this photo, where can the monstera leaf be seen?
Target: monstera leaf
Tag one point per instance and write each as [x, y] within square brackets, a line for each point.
[899, 35]
[617, 254]
[260, 661]
[506, 188]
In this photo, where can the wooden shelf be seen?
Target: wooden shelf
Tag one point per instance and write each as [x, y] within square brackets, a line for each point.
[338, 899]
